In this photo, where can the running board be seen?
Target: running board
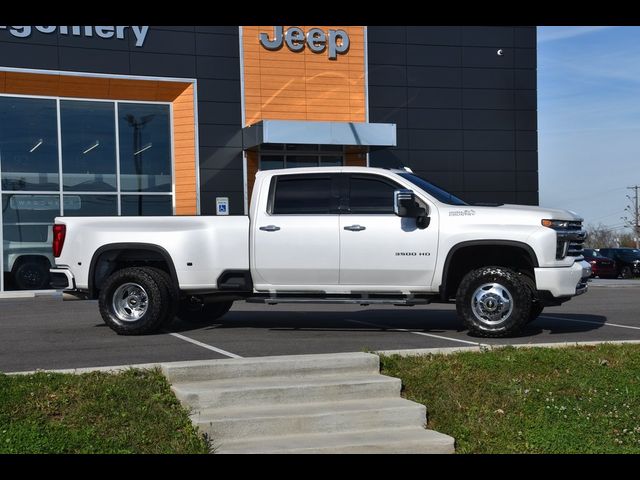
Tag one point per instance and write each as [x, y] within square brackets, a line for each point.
[405, 302]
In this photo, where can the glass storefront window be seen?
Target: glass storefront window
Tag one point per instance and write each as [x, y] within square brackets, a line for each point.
[94, 135]
[271, 162]
[28, 144]
[274, 156]
[90, 205]
[27, 238]
[147, 205]
[145, 147]
[88, 132]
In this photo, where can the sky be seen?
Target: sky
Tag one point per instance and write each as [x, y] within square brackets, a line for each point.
[589, 120]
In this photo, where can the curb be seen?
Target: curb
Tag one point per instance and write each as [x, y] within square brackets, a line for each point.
[79, 371]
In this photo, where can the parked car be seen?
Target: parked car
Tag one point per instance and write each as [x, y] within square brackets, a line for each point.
[602, 267]
[627, 260]
[27, 255]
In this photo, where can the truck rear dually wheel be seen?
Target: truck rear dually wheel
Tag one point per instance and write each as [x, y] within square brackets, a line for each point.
[134, 301]
[493, 302]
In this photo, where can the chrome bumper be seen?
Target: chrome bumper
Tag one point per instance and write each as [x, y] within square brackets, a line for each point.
[62, 279]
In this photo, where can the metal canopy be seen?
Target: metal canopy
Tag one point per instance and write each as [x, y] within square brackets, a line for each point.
[319, 133]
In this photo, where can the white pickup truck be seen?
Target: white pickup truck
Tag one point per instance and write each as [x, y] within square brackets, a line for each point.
[327, 235]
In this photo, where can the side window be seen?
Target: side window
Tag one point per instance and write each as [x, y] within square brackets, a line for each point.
[309, 195]
[370, 196]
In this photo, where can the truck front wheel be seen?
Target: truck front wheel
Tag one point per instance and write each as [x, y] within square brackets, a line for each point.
[493, 302]
[196, 311]
[134, 301]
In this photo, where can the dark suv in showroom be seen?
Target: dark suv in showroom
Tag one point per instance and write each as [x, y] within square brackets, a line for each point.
[627, 259]
[603, 267]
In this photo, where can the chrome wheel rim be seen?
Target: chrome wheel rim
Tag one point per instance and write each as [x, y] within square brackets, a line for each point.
[492, 303]
[130, 302]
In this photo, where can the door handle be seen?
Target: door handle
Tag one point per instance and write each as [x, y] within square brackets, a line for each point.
[270, 228]
[355, 228]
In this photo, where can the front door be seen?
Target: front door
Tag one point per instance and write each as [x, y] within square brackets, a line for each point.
[296, 240]
[378, 248]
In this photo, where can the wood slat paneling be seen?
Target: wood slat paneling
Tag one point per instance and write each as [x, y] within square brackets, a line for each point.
[286, 85]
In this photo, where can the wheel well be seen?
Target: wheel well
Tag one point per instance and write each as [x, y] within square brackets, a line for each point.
[464, 259]
[111, 259]
[31, 258]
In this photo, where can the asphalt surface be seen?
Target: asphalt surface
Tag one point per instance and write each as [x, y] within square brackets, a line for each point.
[47, 333]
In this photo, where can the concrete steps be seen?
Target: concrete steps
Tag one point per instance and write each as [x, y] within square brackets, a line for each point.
[336, 403]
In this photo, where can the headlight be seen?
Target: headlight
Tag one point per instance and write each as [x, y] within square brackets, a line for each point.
[556, 224]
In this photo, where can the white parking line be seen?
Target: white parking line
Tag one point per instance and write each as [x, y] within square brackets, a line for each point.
[604, 324]
[204, 345]
[477, 344]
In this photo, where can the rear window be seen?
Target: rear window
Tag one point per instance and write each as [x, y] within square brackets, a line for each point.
[308, 195]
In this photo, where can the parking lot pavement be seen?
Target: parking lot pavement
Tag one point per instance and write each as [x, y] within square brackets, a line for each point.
[47, 333]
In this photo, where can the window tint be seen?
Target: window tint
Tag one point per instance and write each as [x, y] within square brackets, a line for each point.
[370, 196]
[308, 195]
[150, 205]
[90, 205]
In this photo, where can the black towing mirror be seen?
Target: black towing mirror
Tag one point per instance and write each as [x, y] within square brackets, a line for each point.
[405, 205]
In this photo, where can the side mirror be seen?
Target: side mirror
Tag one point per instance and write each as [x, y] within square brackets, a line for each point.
[404, 201]
[405, 205]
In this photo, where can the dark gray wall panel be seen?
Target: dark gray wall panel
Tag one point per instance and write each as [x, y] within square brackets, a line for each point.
[487, 57]
[434, 97]
[490, 160]
[219, 113]
[388, 75]
[92, 60]
[217, 45]
[223, 68]
[220, 158]
[218, 90]
[418, 76]
[437, 118]
[157, 64]
[433, 35]
[227, 180]
[20, 55]
[437, 56]
[389, 158]
[489, 119]
[435, 139]
[495, 78]
[470, 113]
[501, 37]
[220, 136]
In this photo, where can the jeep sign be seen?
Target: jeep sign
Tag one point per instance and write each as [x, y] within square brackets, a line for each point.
[335, 41]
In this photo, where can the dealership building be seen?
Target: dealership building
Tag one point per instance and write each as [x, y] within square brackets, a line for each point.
[176, 120]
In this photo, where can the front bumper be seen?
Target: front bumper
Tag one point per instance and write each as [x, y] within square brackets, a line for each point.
[564, 281]
[62, 279]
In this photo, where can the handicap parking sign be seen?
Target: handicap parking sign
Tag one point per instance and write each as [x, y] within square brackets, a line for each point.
[222, 206]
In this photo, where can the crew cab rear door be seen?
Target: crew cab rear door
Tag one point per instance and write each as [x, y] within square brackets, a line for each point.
[379, 248]
[296, 238]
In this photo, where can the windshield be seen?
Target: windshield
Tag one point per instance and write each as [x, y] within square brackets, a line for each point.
[436, 192]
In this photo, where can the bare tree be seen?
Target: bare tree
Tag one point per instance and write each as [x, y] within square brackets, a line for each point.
[600, 236]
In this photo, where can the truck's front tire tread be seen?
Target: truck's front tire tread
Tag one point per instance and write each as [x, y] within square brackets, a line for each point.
[511, 281]
[158, 301]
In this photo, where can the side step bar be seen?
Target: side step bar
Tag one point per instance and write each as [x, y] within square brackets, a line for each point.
[406, 302]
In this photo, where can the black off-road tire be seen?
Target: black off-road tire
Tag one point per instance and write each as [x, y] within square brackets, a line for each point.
[536, 310]
[157, 301]
[201, 313]
[536, 306]
[506, 285]
[172, 292]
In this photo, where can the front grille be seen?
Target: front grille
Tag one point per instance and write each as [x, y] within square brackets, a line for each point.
[570, 240]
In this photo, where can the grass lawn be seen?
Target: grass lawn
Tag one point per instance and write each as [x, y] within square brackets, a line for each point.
[538, 400]
[129, 412]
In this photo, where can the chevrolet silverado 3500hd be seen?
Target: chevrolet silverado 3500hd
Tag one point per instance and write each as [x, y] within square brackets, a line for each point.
[327, 235]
